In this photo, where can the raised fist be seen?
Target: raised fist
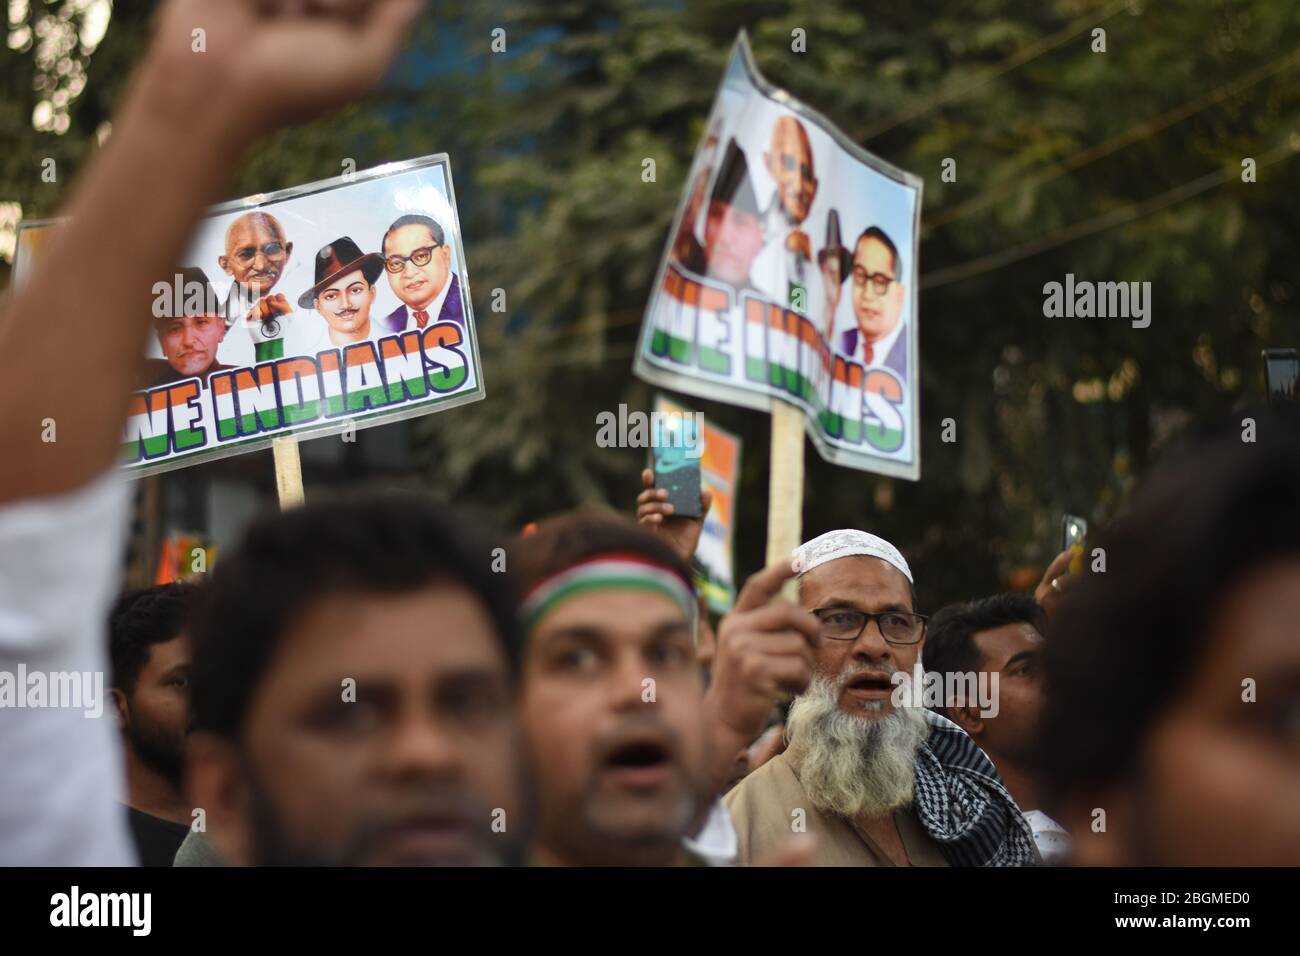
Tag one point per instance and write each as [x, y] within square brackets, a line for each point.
[268, 307]
[263, 320]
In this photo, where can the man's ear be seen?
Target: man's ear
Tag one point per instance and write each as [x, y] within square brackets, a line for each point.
[288, 251]
[120, 709]
[215, 783]
[224, 262]
[968, 719]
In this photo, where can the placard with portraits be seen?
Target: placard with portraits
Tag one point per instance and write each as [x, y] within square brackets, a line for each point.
[320, 309]
[791, 272]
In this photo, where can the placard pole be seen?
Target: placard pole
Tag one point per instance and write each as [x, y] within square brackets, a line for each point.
[785, 486]
[288, 471]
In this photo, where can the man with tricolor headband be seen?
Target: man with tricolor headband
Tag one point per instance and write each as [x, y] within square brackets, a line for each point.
[612, 695]
[879, 784]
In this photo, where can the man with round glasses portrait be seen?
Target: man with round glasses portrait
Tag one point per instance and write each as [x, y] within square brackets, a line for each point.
[417, 261]
[256, 256]
[876, 291]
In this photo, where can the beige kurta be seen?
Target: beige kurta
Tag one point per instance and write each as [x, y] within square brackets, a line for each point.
[762, 809]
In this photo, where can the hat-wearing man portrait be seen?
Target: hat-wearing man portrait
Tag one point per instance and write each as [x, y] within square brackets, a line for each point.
[835, 263]
[343, 293]
[256, 255]
[417, 260]
[190, 337]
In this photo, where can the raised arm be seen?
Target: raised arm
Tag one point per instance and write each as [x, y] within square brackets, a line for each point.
[72, 338]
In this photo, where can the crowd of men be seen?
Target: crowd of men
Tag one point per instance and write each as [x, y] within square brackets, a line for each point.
[364, 680]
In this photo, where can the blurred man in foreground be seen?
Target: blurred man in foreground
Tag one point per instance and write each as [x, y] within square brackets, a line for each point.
[354, 692]
[1171, 733]
[612, 693]
[62, 512]
[618, 728]
[151, 698]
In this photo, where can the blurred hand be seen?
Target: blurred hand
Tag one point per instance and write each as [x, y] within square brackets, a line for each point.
[271, 63]
[654, 511]
[1056, 581]
[765, 648]
[766, 747]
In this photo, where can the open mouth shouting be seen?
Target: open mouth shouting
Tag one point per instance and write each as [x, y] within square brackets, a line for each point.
[869, 685]
[641, 761]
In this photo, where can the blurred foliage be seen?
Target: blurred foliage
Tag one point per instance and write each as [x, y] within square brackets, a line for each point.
[1068, 160]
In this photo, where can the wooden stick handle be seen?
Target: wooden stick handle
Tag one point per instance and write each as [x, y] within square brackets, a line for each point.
[785, 486]
[288, 471]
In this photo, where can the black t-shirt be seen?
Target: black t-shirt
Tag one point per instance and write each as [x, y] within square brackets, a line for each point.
[156, 839]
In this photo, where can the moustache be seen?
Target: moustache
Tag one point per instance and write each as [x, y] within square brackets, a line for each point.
[845, 677]
[418, 804]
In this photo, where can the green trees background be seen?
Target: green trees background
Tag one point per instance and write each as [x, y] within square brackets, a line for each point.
[1122, 165]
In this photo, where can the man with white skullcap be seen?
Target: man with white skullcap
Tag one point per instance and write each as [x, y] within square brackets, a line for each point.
[878, 784]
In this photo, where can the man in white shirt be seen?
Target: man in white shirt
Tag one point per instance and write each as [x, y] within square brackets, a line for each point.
[63, 509]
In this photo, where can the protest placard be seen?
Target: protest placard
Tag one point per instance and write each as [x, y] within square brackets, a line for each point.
[790, 274]
[325, 308]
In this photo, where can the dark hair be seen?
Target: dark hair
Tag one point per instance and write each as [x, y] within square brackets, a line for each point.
[377, 542]
[950, 638]
[875, 232]
[563, 541]
[414, 219]
[141, 618]
[1125, 642]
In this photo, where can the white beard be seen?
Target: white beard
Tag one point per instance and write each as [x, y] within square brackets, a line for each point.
[852, 765]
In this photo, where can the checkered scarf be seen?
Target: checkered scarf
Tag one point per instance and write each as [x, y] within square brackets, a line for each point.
[963, 805]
